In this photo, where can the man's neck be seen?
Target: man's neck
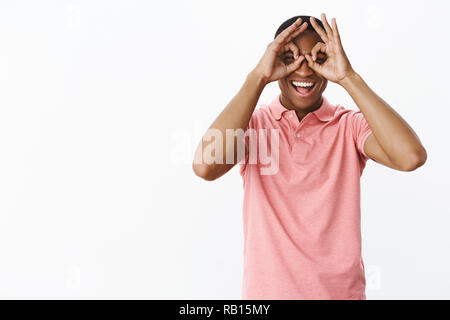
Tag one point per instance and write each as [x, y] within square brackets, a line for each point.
[301, 113]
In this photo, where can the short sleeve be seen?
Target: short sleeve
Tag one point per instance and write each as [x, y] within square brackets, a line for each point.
[361, 131]
[249, 135]
[243, 163]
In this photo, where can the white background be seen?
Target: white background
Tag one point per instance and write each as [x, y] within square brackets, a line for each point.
[103, 103]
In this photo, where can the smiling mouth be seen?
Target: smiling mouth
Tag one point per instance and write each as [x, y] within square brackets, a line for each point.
[303, 89]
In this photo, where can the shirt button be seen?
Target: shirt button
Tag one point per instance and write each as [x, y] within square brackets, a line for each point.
[290, 116]
[298, 135]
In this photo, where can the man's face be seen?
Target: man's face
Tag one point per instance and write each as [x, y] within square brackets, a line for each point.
[303, 98]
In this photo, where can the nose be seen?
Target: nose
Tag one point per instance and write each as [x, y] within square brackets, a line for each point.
[304, 70]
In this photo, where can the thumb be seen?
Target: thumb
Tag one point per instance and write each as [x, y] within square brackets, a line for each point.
[312, 64]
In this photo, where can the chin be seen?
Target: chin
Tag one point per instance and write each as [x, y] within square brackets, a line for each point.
[304, 102]
[300, 102]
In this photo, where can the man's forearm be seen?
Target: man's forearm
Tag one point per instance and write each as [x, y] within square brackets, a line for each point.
[236, 115]
[239, 110]
[397, 139]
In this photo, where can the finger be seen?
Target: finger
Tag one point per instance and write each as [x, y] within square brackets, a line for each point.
[319, 47]
[319, 29]
[294, 65]
[292, 47]
[337, 36]
[326, 25]
[294, 35]
[281, 38]
[313, 65]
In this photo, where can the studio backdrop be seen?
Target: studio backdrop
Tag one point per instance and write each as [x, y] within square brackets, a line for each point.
[102, 104]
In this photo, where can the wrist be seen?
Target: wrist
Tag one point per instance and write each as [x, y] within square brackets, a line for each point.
[350, 79]
[257, 78]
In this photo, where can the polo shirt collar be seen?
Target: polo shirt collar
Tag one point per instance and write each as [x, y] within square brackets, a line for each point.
[324, 113]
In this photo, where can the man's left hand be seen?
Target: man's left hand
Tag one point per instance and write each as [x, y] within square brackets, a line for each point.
[337, 67]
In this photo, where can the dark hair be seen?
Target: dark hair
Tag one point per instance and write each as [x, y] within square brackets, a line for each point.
[290, 21]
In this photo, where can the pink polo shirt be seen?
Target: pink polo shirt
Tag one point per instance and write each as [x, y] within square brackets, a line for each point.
[302, 237]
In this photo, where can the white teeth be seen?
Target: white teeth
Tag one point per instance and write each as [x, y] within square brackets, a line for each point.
[303, 84]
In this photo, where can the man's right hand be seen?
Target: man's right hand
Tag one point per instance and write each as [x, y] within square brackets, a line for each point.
[271, 67]
[238, 112]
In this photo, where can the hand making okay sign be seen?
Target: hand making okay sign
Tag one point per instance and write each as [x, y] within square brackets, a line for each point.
[337, 66]
[271, 65]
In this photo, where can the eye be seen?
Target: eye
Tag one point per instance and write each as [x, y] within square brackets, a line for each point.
[321, 60]
[288, 59]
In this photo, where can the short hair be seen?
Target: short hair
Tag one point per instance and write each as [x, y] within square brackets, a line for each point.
[290, 21]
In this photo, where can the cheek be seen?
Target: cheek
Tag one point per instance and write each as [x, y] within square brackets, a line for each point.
[283, 84]
[324, 84]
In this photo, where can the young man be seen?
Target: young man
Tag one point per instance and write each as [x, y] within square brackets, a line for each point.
[302, 219]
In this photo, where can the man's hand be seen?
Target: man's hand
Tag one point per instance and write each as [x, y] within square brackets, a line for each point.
[271, 66]
[337, 67]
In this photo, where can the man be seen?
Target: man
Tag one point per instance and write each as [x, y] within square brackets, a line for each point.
[302, 219]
